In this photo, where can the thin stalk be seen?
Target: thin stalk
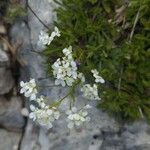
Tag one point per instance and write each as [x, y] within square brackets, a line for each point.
[134, 25]
[119, 83]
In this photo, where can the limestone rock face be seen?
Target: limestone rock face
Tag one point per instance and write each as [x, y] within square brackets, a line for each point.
[102, 133]
[6, 79]
[11, 120]
[10, 113]
[9, 140]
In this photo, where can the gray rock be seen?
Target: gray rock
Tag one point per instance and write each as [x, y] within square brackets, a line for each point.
[10, 114]
[2, 28]
[4, 60]
[112, 145]
[102, 133]
[9, 140]
[30, 138]
[6, 79]
[141, 147]
[136, 135]
[45, 14]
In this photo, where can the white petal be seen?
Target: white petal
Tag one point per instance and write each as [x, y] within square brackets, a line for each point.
[33, 97]
[27, 94]
[22, 83]
[70, 117]
[68, 112]
[57, 82]
[53, 34]
[49, 111]
[82, 119]
[69, 72]
[66, 65]
[85, 113]
[70, 125]
[78, 123]
[77, 117]
[69, 81]
[74, 109]
[87, 106]
[22, 90]
[65, 50]
[102, 80]
[63, 83]
[56, 115]
[32, 116]
[42, 105]
[32, 107]
[74, 75]
[32, 81]
[73, 64]
[50, 125]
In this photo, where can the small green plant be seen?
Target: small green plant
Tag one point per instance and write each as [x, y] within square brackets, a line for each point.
[14, 10]
[114, 38]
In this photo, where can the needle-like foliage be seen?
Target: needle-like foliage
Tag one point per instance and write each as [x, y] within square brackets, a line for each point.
[113, 37]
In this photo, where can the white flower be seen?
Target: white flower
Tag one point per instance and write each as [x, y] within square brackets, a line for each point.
[29, 89]
[87, 106]
[98, 79]
[45, 39]
[90, 92]
[44, 115]
[77, 117]
[67, 51]
[65, 69]
[57, 32]
[81, 77]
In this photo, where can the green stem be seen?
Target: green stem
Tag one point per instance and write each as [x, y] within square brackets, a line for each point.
[69, 93]
[64, 97]
[135, 22]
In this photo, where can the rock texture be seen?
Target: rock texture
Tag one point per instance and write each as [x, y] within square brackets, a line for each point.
[11, 119]
[9, 140]
[102, 133]
[10, 113]
[6, 79]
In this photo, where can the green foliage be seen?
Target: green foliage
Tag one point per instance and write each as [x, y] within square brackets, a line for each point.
[100, 35]
[14, 10]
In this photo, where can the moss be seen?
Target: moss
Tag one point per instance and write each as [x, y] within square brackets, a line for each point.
[14, 10]
[100, 33]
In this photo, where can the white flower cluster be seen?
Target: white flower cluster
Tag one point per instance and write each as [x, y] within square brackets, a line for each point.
[98, 79]
[44, 115]
[45, 39]
[90, 92]
[65, 70]
[77, 117]
[81, 77]
[29, 89]
[65, 73]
